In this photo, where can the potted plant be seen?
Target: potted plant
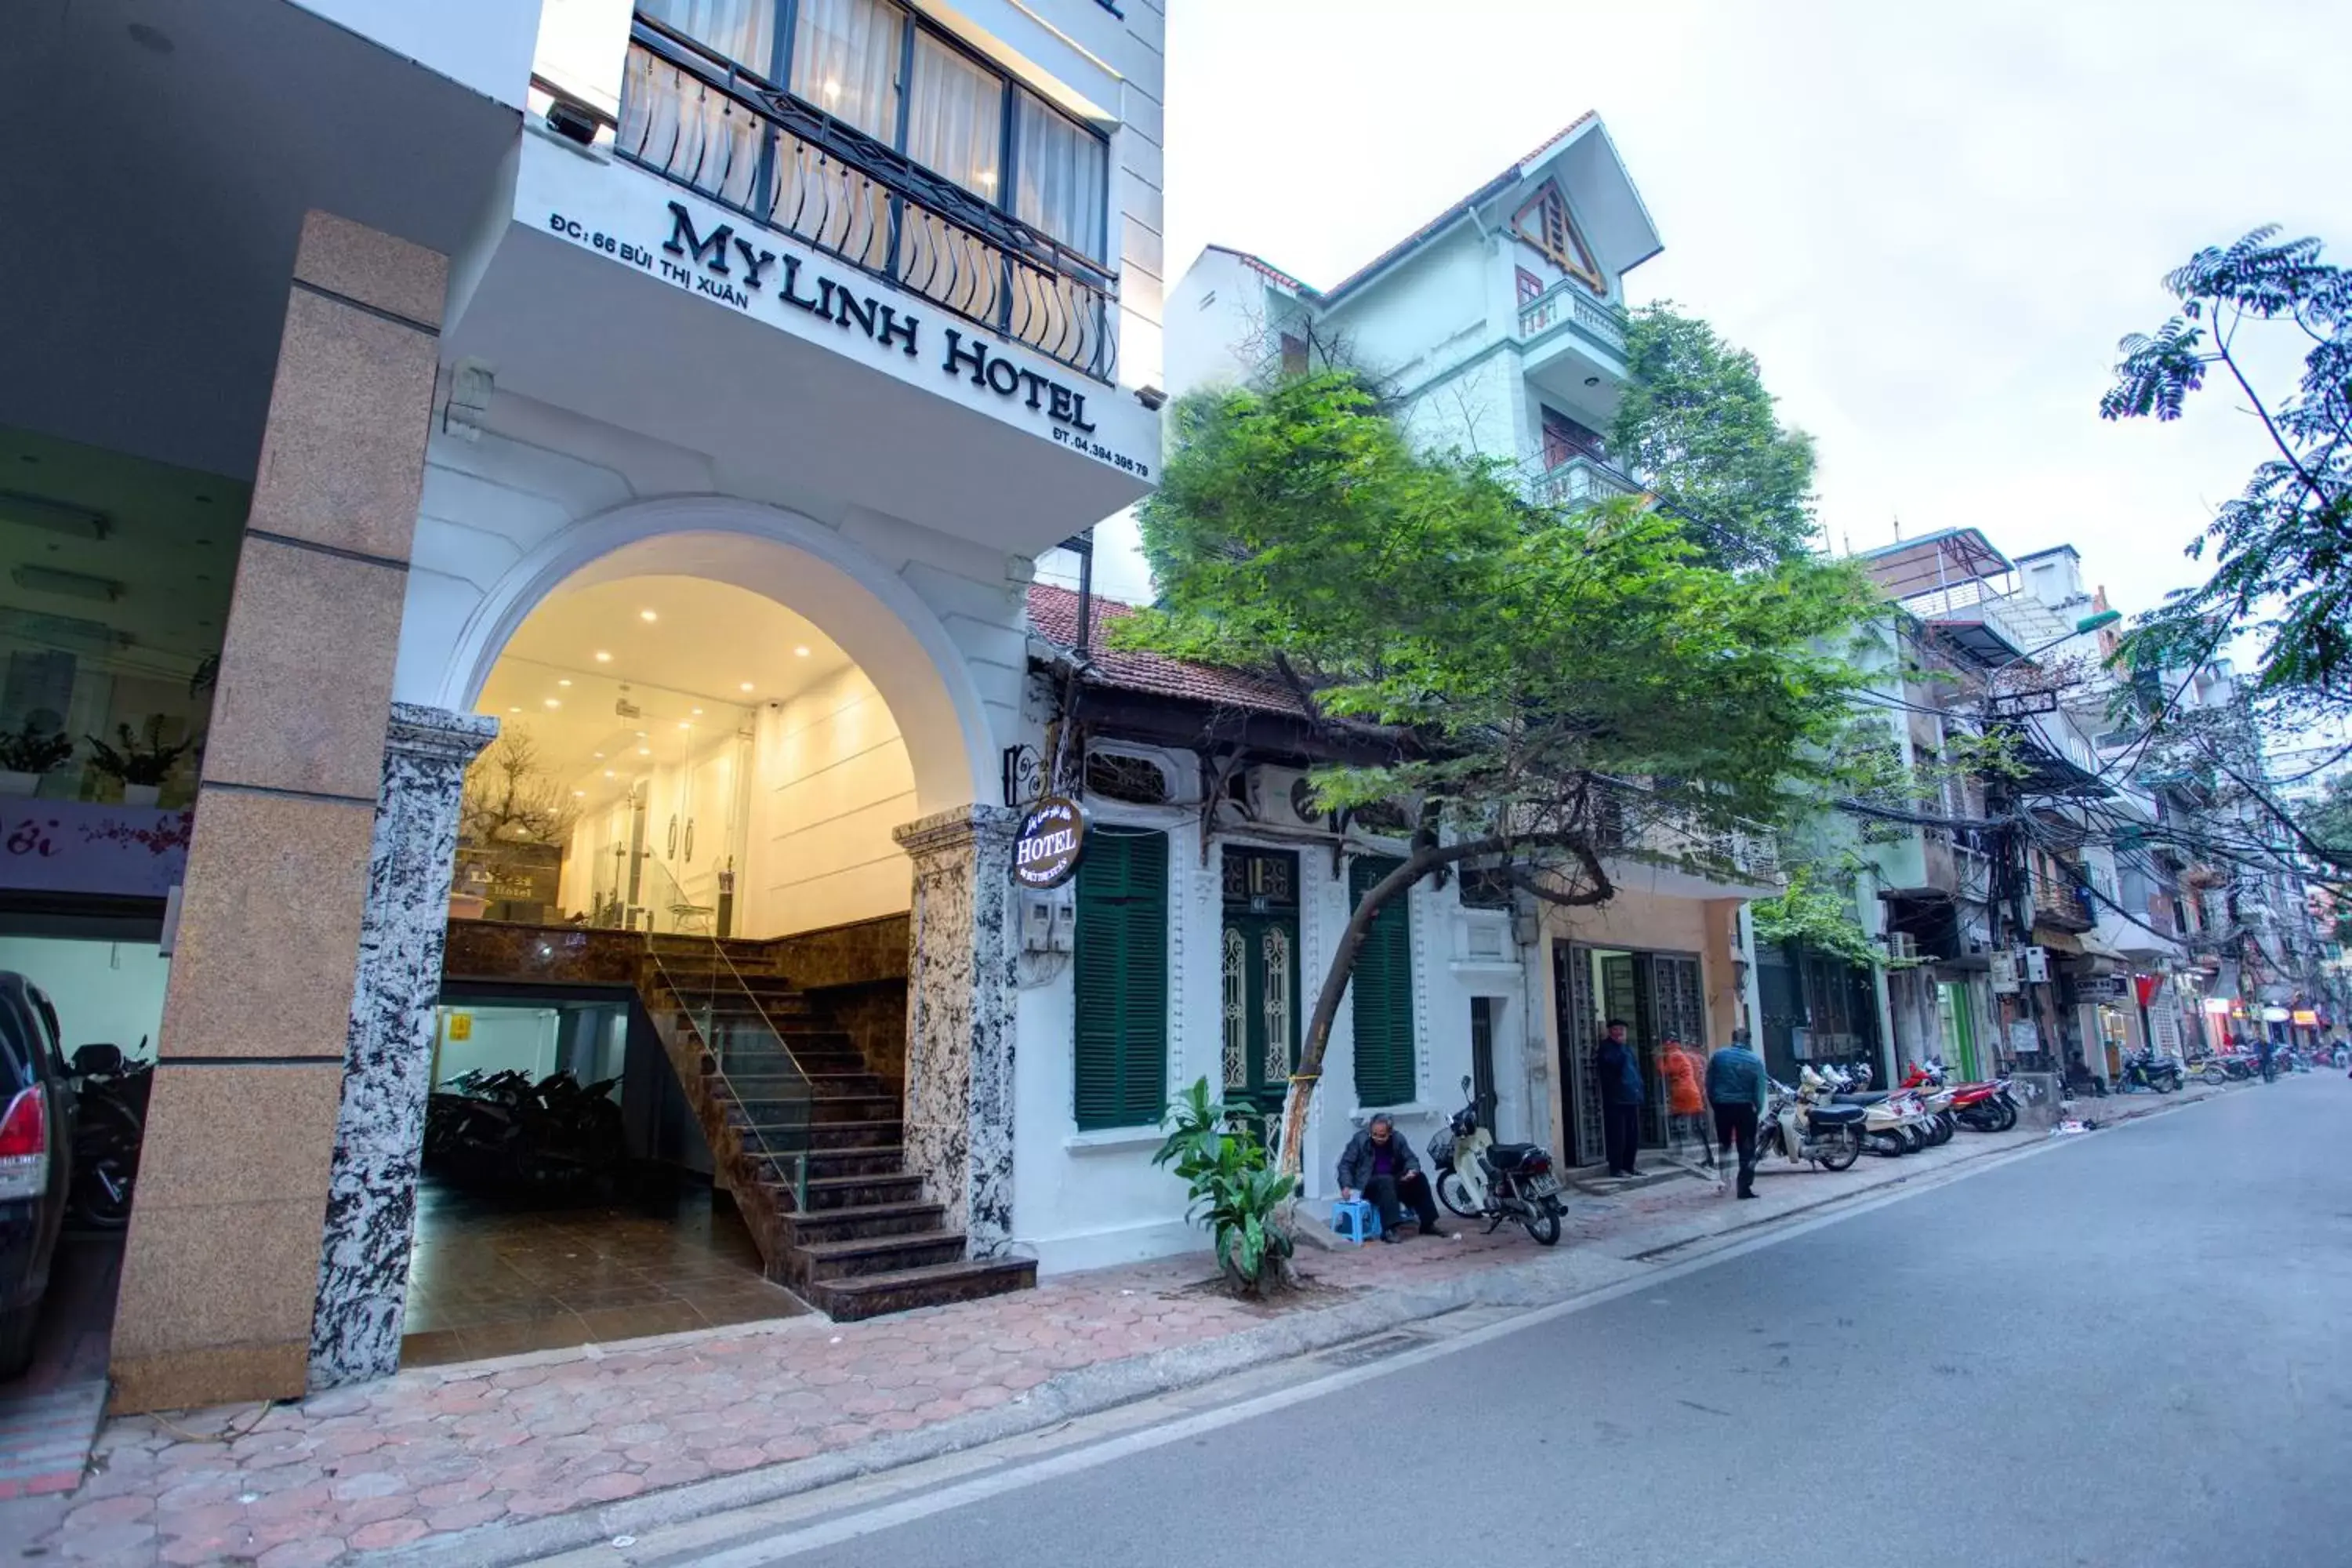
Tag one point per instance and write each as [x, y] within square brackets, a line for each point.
[142, 762]
[28, 753]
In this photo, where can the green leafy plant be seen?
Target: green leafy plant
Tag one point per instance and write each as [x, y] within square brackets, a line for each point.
[32, 750]
[1233, 1190]
[142, 758]
[1813, 913]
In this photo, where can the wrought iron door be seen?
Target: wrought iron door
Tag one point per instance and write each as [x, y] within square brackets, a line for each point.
[1577, 1023]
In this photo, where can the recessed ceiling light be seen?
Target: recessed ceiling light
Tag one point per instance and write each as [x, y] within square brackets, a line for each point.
[603, 657]
[608, 773]
[563, 683]
[599, 756]
[645, 751]
[514, 709]
[580, 794]
[747, 686]
[698, 712]
[647, 615]
[555, 701]
[799, 653]
[641, 734]
[684, 725]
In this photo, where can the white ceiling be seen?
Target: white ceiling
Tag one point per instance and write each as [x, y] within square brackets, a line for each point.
[685, 670]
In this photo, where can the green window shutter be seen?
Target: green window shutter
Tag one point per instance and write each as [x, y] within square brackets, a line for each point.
[1382, 986]
[1120, 964]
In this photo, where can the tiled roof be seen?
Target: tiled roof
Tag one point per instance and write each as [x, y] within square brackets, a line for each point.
[1054, 616]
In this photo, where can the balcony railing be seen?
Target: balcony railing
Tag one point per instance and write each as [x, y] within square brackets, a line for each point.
[704, 123]
[1568, 300]
[1581, 480]
[2056, 904]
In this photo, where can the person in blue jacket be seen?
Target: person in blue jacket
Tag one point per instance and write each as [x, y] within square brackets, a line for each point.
[1620, 1071]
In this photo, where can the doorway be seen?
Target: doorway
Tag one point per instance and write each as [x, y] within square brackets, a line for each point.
[1658, 996]
[1261, 976]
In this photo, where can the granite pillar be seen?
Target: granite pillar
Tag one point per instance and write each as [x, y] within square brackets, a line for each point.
[388, 1054]
[220, 1275]
[961, 990]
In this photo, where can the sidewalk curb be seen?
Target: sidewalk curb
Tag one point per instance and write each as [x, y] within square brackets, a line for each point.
[1540, 1281]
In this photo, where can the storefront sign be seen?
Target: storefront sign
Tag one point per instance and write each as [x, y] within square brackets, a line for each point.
[733, 262]
[2099, 988]
[1053, 835]
[2273, 1015]
[77, 846]
[2306, 1018]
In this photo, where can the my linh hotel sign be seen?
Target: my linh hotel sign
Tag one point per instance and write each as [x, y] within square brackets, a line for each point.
[737, 265]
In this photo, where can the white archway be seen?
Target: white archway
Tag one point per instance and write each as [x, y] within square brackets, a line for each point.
[868, 611]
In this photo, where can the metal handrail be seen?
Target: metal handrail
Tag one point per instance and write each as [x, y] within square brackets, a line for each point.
[679, 988]
[865, 223]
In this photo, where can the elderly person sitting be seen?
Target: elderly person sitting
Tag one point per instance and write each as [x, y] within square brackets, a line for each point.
[1380, 1166]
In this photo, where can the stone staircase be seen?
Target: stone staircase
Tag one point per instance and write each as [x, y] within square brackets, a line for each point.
[784, 1099]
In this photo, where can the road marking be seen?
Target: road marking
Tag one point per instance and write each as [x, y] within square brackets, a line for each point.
[749, 1538]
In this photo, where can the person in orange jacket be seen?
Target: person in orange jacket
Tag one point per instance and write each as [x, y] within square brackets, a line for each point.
[1680, 1066]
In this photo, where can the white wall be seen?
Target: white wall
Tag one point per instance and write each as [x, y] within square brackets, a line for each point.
[830, 780]
[485, 47]
[497, 1039]
[103, 991]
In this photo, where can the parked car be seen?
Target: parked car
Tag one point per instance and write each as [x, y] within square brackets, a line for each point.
[37, 1115]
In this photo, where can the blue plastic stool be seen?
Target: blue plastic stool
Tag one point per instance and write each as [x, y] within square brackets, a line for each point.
[1355, 1219]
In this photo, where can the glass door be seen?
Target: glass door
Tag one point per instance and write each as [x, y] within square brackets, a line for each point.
[1260, 975]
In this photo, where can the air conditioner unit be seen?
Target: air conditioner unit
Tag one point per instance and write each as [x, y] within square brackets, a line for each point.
[1901, 946]
[1277, 797]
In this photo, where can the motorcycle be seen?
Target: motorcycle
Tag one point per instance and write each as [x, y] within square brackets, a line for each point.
[1980, 1106]
[1893, 1121]
[1479, 1178]
[109, 1125]
[2146, 1070]
[1830, 1136]
[502, 1126]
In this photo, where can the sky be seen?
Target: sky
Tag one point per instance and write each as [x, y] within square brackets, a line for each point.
[1930, 223]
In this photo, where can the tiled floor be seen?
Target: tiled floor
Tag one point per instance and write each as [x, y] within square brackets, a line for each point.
[48, 1416]
[495, 1275]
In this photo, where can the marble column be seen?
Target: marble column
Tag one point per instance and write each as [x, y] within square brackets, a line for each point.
[388, 1054]
[961, 989]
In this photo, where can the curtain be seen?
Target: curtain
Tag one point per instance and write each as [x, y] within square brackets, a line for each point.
[846, 61]
[672, 120]
[1063, 176]
[955, 128]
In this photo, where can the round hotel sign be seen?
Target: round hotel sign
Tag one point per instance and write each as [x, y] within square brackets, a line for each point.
[1053, 835]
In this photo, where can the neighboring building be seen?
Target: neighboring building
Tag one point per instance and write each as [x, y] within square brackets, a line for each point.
[688, 390]
[1498, 327]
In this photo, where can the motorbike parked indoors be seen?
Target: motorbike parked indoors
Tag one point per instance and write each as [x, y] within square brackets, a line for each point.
[109, 1125]
[1479, 1178]
[501, 1127]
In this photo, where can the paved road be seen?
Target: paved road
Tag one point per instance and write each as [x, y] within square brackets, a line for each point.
[2130, 1351]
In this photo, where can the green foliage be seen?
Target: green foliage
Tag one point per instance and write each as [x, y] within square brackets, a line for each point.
[2283, 548]
[1698, 427]
[1518, 652]
[1817, 914]
[32, 749]
[1233, 1190]
[142, 758]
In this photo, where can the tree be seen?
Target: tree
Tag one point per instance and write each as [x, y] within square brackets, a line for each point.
[510, 798]
[1697, 425]
[2283, 548]
[1560, 687]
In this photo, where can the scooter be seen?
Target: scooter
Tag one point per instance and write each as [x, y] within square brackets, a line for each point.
[1828, 1135]
[1479, 1178]
[1893, 1123]
[2146, 1070]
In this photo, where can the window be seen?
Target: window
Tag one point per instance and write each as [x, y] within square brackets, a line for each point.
[1530, 286]
[1116, 776]
[1121, 973]
[1564, 439]
[1381, 988]
[1294, 355]
[881, 71]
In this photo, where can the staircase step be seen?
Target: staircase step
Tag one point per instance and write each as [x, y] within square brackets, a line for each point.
[863, 1222]
[885, 1160]
[785, 1137]
[853, 1298]
[828, 1192]
[819, 1260]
